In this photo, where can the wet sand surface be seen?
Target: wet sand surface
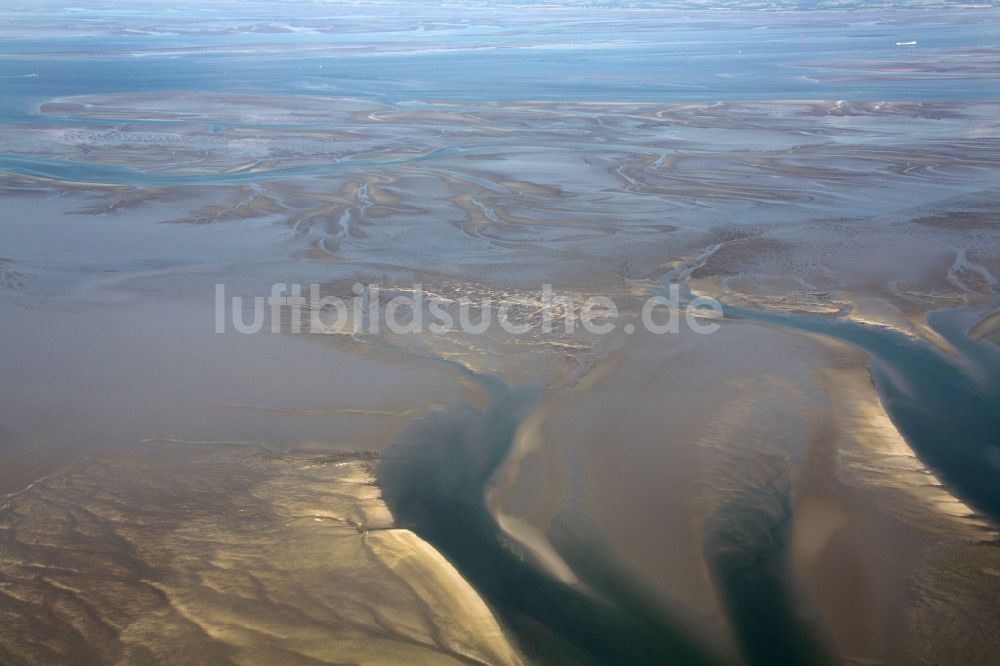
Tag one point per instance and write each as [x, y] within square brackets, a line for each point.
[689, 449]
[813, 483]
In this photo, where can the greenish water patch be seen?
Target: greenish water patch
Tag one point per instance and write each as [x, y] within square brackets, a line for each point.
[435, 480]
[746, 547]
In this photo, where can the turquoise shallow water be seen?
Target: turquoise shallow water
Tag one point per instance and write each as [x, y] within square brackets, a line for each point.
[502, 54]
[434, 481]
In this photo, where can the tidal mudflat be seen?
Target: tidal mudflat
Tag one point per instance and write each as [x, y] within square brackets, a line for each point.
[814, 482]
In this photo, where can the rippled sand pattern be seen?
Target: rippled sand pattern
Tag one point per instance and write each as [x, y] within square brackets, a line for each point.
[228, 557]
